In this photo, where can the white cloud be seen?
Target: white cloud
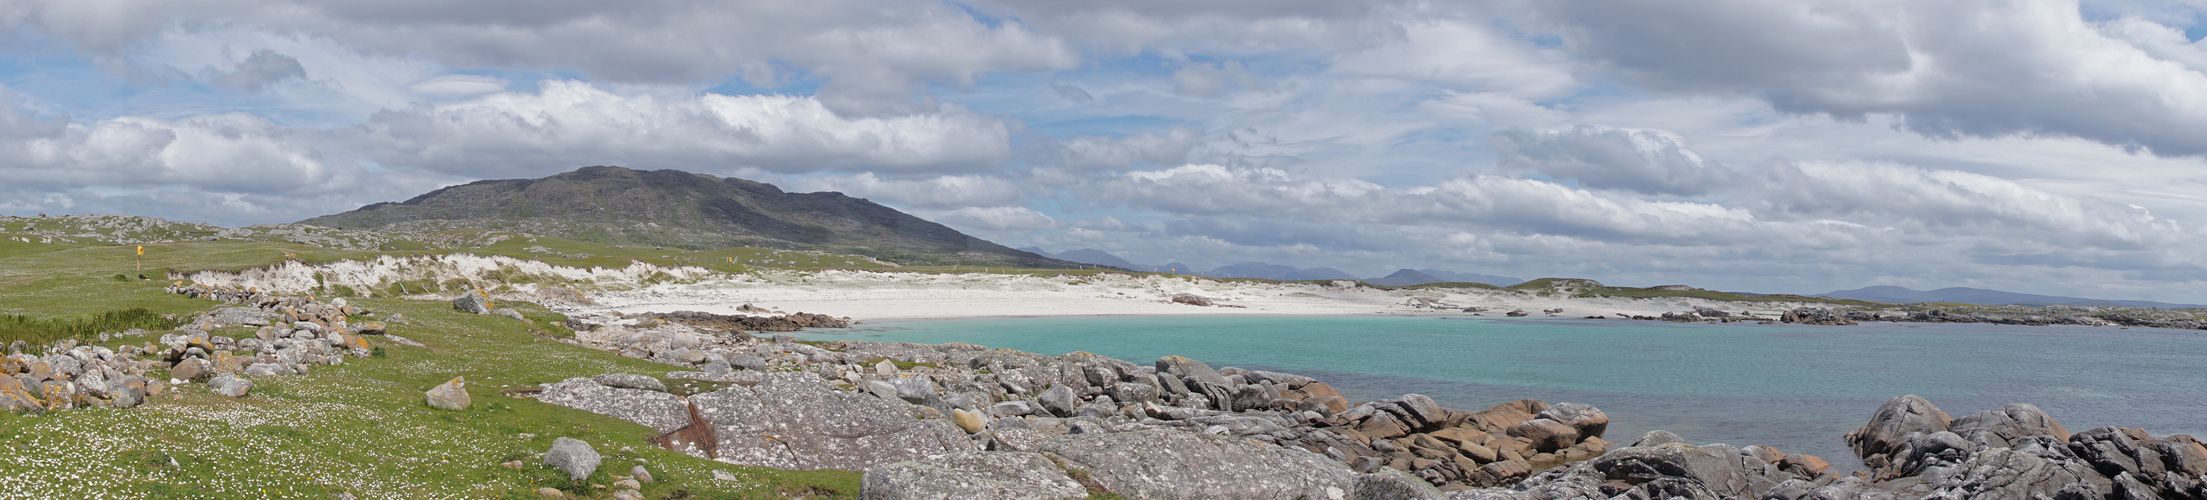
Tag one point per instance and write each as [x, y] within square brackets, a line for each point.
[993, 219]
[1982, 68]
[940, 192]
[457, 85]
[1461, 54]
[569, 123]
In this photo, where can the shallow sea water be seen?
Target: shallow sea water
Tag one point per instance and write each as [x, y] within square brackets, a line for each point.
[1795, 387]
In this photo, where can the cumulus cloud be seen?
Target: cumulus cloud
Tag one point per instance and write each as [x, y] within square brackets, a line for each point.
[568, 123]
[870, 55]
[993, 219]
[1463, 54]
[1981, 68]
[939, 192]
[1609, 158]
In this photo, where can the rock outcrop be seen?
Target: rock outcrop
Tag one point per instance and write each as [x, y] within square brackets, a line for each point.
[972, 475]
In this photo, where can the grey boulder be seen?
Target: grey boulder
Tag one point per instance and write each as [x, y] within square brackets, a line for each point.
[1169, 464]
[660, 411]
[472, 302]
[978, 475]
[230, 385]
[631, 381]
[796, 420]
[572, 456]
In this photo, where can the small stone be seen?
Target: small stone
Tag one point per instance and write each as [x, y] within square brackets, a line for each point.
[452, 395]
[628, 494]
[550, 493]
[230, 385]
[187, 370]
[885, 368]
[724, 475]
[641, 474]
[1060, 401]
[628, 484]
[784, 338]
[971, 421]
[572, 456]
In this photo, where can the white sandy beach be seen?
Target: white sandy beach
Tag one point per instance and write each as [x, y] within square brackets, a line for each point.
[889, 295]
[866, 295]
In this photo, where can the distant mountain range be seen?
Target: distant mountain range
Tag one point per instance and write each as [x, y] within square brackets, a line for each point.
[683, 210]
[1980, 296]
[1275, 272]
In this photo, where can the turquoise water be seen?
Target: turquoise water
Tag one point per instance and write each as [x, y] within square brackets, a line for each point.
[1791, 386]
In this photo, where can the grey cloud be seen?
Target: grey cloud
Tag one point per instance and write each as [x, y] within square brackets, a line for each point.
[1263, 232]
[1609, 158]
[1978, 68]
[939, 192]
[259, 70]
[1071, 92]
[1210, 80]
[870, 56]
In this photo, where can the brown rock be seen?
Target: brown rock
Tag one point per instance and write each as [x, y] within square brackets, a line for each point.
[1764, 453]
[39, 371]
[1501, 473]
[1889, 427]
[1501, 417]
[10, 366]
[1382, 425]
[1807, 465]
[1459, 435]
[1546, 435]
[228, 363]
[1476, 452]
[1333, 404]
[191, 369]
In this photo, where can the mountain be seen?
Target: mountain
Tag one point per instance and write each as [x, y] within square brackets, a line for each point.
[1257, 270]
[685, 210]
[1404, 277]
[1172, 267]
[1318, 273]
[1094, 256]
[1472, 277]
[1980, 296]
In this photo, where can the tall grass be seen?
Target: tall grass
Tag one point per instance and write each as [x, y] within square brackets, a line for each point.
[43, 331]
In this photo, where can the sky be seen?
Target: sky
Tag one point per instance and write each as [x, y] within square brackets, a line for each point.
[1802, 146]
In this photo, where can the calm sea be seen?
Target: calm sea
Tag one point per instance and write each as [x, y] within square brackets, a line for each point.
[1798, 388]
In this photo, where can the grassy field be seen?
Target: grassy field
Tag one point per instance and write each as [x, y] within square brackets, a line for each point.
[360, 427]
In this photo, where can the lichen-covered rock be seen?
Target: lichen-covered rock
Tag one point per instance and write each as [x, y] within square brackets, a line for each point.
[1167, 464]
[451, 395]
[1589, 421]
[572, 456]
[798, 421]
[473, 302]
[631, 381]
[655, 409]
[230, 385]
[976, 475]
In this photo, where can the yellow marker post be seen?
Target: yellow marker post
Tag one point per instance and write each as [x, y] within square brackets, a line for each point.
[141, 258]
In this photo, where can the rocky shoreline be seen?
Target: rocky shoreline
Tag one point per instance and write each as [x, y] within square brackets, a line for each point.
[2144, 317]
[966, 421]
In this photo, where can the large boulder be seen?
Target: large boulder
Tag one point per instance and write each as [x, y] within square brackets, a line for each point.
[2028, 472]
[976, 475]
[796, 420]
[572, 456]
[1190, 371]
[451, 395]
[1589, 421]
[1879, 439]
[473, 302]
[1169, 464]
[1997, 428]
[658, 410]
[631, 381]
[1710, 467]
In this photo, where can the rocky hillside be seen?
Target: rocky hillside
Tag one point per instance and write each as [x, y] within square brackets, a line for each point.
[684, 210]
